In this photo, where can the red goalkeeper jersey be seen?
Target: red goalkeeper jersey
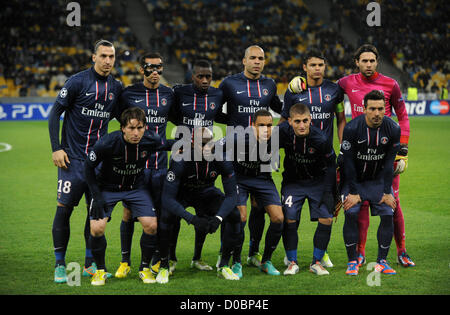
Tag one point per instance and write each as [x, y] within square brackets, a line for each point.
[356, 86]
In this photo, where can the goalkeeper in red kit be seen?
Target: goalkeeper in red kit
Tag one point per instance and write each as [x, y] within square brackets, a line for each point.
[356, 86]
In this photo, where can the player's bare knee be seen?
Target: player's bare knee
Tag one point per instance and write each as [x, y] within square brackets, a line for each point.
[288, 221]
[326, 221]
[277, 218]
[149, 225]
[98, 227]
[126, 215]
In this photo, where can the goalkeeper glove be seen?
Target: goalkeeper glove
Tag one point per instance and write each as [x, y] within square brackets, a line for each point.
[400, 164]
[297, 85]
[401, 160]
[201, 224]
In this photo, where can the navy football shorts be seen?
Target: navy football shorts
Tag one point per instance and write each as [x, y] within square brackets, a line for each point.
[294, 195]
[138, 201]
[154, 180]
[371, 191]
[72, 184]
[262, 188]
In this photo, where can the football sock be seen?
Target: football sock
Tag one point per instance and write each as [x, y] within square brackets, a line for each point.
[350, 230]
[173, 239]
[98, 248]
[198, 245]
[240, 242]
[399, 229]
[273, 236]
[164, 234]
[148, 246]
[256, 223]
[232, 233]
[222, 231]
[363, 227]
[321, 240]
[290, 240]
[384, 236]
[61, 233]
[126, 238]
[88, 259]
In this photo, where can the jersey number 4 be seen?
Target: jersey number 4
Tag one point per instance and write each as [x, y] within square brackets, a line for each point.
[288, 201]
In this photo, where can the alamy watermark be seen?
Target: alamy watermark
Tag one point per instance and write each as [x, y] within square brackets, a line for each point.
[74, 17]
[374, 17]
[240, 144]
[374, 278]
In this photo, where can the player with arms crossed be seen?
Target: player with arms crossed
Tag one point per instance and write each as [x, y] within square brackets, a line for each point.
[156, 100]
[123, 155]
[309, 173]
[369, 146]
[88, 100]
[245, 93]
[190, 182]
[324, 99]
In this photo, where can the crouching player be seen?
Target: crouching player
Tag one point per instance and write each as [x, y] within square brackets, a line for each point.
[123, 155]
[190, 182]
[370, 144]
[309, 173]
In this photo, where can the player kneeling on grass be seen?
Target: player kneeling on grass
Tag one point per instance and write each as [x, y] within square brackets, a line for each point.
[123, 155]
[370, 144]
[309, 173]
[190, 183]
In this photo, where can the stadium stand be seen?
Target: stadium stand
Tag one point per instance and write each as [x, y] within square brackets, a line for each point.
[220, 31]
[418, 43]
[36, 56]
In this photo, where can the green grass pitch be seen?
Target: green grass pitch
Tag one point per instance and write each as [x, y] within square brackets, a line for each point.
[28, 203]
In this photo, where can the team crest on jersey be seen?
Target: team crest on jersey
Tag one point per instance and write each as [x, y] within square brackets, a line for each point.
[63, 93]
[143, 154]
[384, 140]
[92, 156]
[327, 97]
[111, 96]
[213, 174]
[212, 105]
[265, 92]
[170, 176]
[311, 150]
[163, 102]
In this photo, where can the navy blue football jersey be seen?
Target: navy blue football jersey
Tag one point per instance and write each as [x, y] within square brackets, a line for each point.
[250, 157]
[195, 108]
[369, 153]
[322, 101]
[308, 157]
[156, 103]
[245, 96]
[122, 163]
[89, 101]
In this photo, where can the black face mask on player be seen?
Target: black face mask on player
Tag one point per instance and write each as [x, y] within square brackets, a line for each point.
[149, 68]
